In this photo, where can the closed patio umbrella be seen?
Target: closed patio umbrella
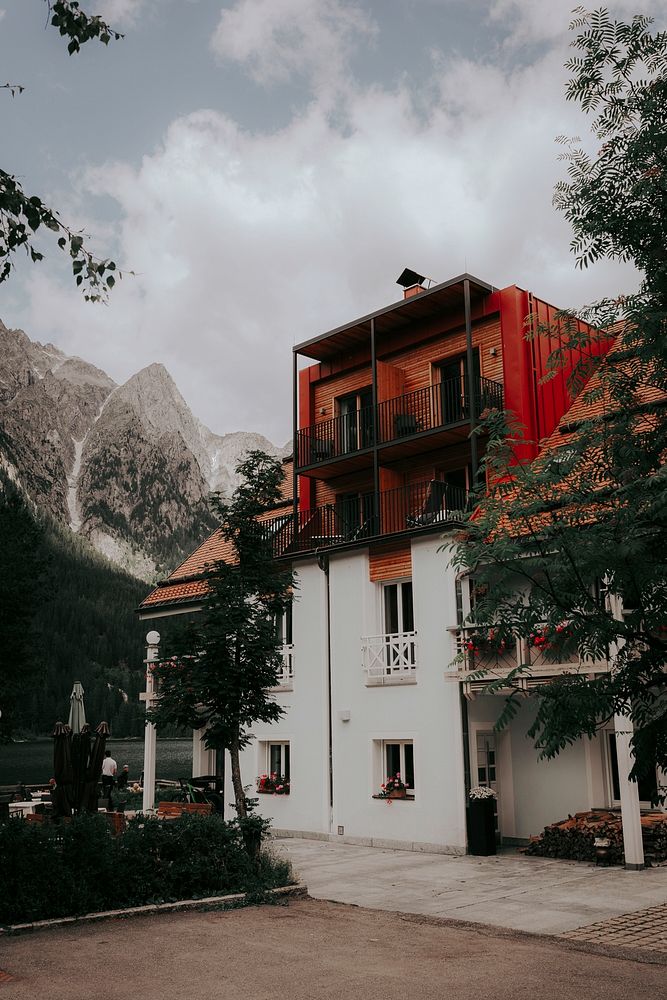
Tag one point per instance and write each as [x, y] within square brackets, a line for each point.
[77, 712]
[94, 770]
[62, 770]
[80, 753]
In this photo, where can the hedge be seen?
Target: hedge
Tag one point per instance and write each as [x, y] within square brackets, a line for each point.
[80, 867]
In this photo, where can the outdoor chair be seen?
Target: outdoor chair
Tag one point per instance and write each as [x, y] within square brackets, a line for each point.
[434, 508]
[406, 424]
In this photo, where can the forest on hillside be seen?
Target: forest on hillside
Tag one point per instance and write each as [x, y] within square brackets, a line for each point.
[66, 614]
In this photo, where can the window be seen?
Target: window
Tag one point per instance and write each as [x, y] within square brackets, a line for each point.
[647, 785]
[398, 608]
[284, 626]
[278, 760]
[399, 627]
[398, 758]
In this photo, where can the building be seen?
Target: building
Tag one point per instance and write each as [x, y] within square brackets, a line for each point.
[376, 678]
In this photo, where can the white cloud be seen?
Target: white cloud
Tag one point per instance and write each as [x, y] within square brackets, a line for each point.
[120, 13]
[276, 40]
[530, 21]
[245, 243]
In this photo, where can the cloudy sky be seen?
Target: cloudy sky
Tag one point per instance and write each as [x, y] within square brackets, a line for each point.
[268, 168]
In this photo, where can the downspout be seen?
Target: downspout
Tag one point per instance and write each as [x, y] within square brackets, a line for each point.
[323, 563]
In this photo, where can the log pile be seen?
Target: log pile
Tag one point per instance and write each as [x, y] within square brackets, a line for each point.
[574, 838]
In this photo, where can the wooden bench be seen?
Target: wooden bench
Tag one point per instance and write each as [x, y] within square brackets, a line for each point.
[172, 810]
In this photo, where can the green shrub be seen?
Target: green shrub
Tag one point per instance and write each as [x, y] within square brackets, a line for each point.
[80, 867]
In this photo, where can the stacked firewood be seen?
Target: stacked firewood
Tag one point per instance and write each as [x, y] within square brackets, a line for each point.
[574, 838]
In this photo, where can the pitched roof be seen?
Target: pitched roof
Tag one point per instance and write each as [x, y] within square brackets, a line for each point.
[186, 585]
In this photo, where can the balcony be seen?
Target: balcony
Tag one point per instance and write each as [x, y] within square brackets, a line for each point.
[390, 659]
[477, 652]
[365, 517]
[285, 680]
[345, 443]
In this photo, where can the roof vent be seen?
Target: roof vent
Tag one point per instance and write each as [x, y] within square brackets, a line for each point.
[412, 283]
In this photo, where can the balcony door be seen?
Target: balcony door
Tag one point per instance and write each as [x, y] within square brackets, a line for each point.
[355, 413]
[454, 387]
[487, 769]
[356, 515]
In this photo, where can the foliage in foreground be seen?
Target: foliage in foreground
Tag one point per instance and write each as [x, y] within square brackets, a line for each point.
[225, 687]
[79, 867]
[574, 546]
[22, 214]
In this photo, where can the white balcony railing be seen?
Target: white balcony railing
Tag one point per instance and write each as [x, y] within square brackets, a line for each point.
[285, 680]
[390, 658]
[478, 650]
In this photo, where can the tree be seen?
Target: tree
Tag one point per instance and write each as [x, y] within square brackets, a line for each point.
[21, 215]
[22, 572]
[229, 656]
[571, 550]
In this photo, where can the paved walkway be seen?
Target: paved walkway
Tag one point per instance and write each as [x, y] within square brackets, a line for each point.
[509, 890]
[646, 929]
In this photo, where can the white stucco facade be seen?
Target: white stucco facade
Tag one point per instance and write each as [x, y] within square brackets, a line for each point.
[333, 705]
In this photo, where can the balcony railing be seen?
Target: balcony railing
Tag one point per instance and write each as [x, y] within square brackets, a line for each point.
[441, 405]
[343, 435]
[285, 680]
[366, 516]
[390, 659]
[480, 650]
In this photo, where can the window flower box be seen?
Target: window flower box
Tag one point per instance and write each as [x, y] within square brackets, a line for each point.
[394, 788]
[272, 784]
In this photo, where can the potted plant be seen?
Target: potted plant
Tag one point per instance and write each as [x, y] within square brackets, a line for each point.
[394, 788]
[272, 784]
[481, 821]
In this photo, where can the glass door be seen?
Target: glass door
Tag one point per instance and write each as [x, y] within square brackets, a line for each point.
[487, 770]
[454, 387]
[355, 413]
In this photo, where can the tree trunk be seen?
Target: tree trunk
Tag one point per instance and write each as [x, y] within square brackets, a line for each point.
[239, 794]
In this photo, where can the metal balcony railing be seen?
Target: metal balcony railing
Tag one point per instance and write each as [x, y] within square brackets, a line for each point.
[441, 405]
[366, 515]
[342, 435]
[391, 656]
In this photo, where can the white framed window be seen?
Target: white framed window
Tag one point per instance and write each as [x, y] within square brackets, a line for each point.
[395, 757]
[284, 631]
[278, 759]
[398, 607]
[647, 786]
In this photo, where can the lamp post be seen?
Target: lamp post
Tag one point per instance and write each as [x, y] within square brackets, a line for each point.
[150, 736]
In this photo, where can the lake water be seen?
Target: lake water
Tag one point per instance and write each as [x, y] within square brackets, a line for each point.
[32, 763]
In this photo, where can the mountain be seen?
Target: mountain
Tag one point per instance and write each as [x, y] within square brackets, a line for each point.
[127, 467]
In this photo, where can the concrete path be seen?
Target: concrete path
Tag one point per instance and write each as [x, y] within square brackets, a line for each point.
[510, 890]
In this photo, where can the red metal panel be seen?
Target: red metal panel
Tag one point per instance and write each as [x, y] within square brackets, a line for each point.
[307, 376]
[517, 366]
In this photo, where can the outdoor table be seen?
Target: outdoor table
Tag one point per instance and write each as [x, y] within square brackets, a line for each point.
[21, 808]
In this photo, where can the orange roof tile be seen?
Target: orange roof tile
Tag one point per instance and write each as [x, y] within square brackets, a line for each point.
[185, 583]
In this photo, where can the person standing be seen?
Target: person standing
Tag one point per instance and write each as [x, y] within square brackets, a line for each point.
[109, 768]
[123, 776]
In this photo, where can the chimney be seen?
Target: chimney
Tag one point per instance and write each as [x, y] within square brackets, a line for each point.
[411, 283]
